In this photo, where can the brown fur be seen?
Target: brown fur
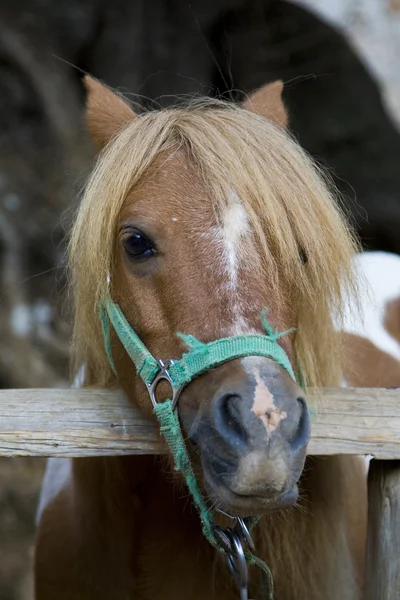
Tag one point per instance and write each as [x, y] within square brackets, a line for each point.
[124, 528]
[369, 366]
[122, 537]
[366, 364]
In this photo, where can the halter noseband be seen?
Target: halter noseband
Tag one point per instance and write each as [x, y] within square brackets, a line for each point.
[199, 359]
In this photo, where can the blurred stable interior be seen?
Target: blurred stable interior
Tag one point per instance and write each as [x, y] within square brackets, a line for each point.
[339, 60]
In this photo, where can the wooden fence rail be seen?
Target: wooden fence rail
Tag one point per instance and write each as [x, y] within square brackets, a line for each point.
[78, 423]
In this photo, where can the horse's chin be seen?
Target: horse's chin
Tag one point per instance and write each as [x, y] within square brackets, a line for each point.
[240, 505]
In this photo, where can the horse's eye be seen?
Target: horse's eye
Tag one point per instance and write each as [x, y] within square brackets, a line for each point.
[137, 245]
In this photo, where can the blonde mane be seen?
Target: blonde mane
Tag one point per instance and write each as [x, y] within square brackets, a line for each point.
[284, 193]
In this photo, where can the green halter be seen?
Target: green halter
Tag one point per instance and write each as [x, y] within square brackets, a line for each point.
[197, 360]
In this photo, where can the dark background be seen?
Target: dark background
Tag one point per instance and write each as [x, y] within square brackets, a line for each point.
[152, 49]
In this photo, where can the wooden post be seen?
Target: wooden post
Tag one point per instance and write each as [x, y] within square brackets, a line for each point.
[383, 546]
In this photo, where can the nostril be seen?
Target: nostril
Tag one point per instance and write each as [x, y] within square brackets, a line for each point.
[229, 421]
[303, 432]
[302, 401]
[232, 415]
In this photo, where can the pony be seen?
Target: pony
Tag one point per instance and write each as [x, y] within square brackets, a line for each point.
[195, 219]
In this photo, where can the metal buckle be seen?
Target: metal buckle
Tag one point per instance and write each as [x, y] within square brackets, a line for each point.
[163, 374]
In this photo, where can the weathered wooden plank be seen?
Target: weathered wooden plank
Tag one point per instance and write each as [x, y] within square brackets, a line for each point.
[63, 422]
[82, 422]
[383, 546]
[357, 421]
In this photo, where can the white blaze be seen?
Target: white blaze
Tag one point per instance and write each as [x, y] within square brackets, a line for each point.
[235, 228]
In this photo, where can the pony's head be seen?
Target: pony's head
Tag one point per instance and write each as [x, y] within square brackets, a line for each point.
[195, 219]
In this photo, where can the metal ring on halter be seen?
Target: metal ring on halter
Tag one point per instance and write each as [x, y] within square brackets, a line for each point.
[223, 539]
[163, 375]
[240, 528]
[243, 532]
[237, 563]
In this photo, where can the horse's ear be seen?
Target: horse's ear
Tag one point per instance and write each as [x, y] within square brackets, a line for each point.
[267, 102]
[106, 112]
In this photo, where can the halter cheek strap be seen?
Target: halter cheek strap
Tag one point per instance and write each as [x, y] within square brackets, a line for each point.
[199, 359]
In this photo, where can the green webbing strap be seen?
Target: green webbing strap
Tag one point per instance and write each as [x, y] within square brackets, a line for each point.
[203, 357]
[197, 360]
[171, 430]
[200, 357]
[146, 366]
[267, 581]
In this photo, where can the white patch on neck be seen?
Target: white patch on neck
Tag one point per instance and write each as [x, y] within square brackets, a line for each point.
[381, 274]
